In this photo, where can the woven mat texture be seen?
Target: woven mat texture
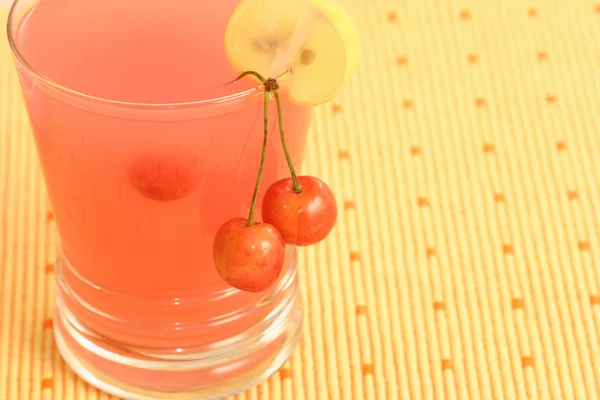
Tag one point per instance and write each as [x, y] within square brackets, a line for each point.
[466, 260]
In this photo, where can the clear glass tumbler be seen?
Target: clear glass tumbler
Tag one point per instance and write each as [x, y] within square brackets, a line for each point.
[146, 149]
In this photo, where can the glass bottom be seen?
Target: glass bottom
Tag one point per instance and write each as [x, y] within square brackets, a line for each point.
[232, 366]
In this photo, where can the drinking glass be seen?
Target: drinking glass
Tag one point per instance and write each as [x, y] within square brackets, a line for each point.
[146, 148]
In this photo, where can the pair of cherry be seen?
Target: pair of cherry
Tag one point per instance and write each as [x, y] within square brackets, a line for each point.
[299, 211]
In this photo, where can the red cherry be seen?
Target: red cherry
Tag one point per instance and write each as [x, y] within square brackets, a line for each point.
[303, 218]
[164, 177]
[249, 258]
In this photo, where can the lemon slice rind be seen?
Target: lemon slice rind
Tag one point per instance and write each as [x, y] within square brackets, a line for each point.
[315, 40]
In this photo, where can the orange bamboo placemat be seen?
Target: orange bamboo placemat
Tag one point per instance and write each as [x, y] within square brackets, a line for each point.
[466, 260]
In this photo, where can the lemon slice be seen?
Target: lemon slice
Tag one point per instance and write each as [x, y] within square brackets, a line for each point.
[315, 40]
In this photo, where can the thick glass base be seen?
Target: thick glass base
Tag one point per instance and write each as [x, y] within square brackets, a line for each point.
[234, 364]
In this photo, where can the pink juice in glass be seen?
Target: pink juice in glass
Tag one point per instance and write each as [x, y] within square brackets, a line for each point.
[146, 150]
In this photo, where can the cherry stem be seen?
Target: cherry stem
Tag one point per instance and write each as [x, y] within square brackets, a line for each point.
[262, 160]
[271, 87]
[297, 187]
[253, 73]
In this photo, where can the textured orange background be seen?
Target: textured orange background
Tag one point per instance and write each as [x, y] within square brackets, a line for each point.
[466, 260]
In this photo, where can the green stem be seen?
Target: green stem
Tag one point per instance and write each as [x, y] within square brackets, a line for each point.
[297, 187]
[256, 74]
[262, 160]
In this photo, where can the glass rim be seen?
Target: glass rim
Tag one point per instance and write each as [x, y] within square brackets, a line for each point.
[10, 28]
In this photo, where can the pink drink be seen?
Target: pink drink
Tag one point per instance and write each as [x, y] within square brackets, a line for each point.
[139, 190]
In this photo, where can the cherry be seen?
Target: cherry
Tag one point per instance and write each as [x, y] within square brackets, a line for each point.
[248, 257]
[303, 218]
[303, 209]
[163, 177]
[298, 211]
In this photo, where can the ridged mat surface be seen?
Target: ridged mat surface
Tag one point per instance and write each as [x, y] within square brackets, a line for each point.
[466, 260]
